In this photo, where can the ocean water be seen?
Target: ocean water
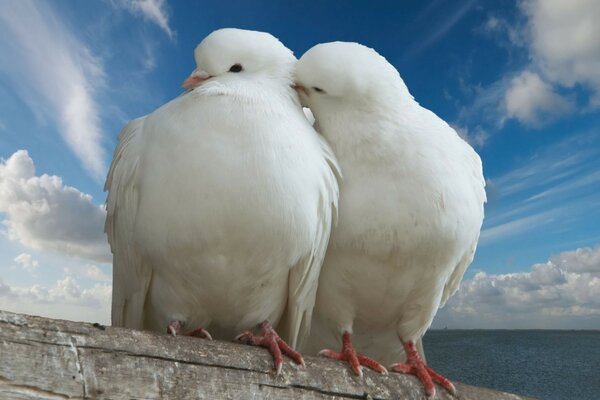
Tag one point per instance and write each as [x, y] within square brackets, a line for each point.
[546, 364]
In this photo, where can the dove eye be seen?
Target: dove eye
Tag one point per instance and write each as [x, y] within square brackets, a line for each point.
[235, 68]
[318, 89]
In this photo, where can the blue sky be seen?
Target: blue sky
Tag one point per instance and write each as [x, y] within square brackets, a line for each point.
[520, 80]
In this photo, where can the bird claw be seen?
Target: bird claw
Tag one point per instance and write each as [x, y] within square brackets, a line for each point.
[200, 333]
[245, 337]
[175, 328]
[414, 365]
[271, 340]
[355, 360]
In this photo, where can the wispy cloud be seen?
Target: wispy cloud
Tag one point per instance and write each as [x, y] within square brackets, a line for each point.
[440, 29]
[566, 187]
[557, 184]
[516, 226]
[155, 11]
[27, 262]
[565, 159]
[476, 137]
[56, 75]
[486, 108]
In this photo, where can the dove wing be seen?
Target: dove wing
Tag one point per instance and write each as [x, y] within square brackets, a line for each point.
[457, 274]
[304, 277]
[478, 182]
[130, 278]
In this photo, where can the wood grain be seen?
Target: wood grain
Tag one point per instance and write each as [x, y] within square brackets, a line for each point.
[44, 358]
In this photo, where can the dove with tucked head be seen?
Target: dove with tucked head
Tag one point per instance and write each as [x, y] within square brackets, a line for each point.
[220, 202]
[410, 213]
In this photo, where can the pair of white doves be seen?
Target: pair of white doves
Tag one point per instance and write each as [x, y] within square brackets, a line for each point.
[221, 204]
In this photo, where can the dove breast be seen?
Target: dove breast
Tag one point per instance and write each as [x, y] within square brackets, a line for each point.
[230, 196]
[411, 202]
[226, 195]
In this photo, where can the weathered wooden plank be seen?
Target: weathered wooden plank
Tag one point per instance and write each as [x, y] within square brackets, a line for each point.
[54, 359]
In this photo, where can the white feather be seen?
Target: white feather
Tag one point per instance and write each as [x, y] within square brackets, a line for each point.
[411, 204]
[130, 276]
[221, 201]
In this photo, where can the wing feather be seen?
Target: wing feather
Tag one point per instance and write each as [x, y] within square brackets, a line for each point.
[476, 176]
[304, 277]
[130, 278]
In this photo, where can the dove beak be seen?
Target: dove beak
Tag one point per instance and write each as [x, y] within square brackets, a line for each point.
[300, 89]
[195, 79]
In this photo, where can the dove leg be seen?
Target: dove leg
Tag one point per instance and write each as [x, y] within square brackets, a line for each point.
[355, 360]
[175, 328]
[414, 365]
[271, 340]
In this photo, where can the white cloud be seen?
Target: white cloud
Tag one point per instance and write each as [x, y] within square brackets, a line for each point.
[581, 261]
[508, 35]
[94, 273]
[560, 215]
[583, 181]
[486, 108]
[65, 299]
[565, 39]
[476, 137]
[56, 75]
[438, 29]
[567, 158]
[153, 10]
[531, 100]
[492, 24]
[562, 43]
[556, 188]
[556, 294]
[44, 214]
[26, 261]
[516, 226]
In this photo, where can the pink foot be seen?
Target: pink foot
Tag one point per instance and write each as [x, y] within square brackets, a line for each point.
[175, 328]
[355, 360]
[271, 340]
[415, 365]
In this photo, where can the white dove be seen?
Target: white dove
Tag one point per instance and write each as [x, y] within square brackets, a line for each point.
[411, 208]
[220, 202]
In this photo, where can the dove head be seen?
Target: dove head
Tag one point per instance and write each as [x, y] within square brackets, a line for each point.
[347, 76]
[231, 56]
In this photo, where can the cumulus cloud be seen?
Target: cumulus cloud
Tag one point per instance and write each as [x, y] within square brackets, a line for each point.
[65, 299]
[562, 43]
[565, 40]
[26, 261]
[567, 285]
[56, 75]
[153, 10]
[528, 99]
[44, 214]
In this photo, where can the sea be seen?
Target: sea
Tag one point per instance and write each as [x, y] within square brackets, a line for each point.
[544, 364]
